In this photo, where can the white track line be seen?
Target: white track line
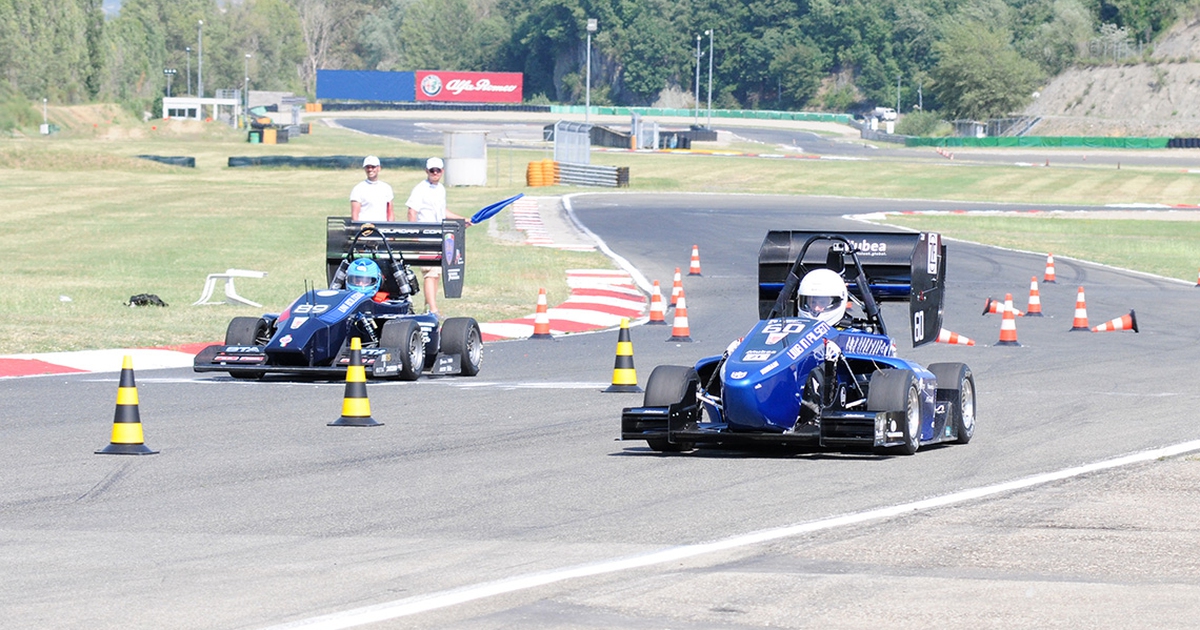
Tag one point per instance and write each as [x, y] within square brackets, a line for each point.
[445, 599]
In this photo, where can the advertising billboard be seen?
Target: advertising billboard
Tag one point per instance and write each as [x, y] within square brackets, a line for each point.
[365, 85]
[470, 87]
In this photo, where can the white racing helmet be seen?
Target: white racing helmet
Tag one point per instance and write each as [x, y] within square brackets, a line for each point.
[822, 295]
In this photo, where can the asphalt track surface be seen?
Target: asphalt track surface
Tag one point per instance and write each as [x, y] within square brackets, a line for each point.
[505, 501]
[528, 134]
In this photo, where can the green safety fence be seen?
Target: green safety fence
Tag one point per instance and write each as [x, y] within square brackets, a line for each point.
[1087, 142]
[664, 112]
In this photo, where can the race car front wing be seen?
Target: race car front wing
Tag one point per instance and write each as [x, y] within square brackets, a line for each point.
[677, 424]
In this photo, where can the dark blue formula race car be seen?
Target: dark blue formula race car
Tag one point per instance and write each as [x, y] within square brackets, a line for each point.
[312, 336]
[810, 374]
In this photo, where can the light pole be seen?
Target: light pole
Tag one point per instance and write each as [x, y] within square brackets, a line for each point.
[697, 80]
[587, 102]
[200, 59]
[170, 73]
[898, 94]
[246, 91]
[189, 69]
[710, 62]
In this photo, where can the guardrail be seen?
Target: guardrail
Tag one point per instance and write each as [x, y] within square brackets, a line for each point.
[593, 175]
[549, 173]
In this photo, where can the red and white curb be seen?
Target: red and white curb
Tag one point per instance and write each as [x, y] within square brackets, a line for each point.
[12, 365]
[526, 218]
[600, 299]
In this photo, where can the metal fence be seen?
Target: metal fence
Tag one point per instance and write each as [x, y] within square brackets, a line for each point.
[572, 142]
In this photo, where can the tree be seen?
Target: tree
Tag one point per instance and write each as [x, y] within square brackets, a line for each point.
[649, 63]
[979, 75]
[320, 21]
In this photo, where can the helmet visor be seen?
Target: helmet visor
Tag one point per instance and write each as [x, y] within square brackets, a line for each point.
[358, 280]
[817, 304]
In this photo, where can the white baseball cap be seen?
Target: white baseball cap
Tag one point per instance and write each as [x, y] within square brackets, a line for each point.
[370, 160]
[434, 163]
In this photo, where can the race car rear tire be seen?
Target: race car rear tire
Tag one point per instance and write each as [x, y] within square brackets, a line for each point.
[957, 376]
[403, 336]
[896, 390]
[461, 336]
[667, 386]
[247, 331]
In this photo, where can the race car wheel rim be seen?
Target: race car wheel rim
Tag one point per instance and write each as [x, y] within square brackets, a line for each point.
[475, 347]
[416, 349]
[967, 406]
[912, 417]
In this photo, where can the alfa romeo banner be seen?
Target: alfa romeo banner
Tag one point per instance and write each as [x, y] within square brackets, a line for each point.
[470, 87]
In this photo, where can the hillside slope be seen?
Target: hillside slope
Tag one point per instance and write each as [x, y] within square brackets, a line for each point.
[1145, 99]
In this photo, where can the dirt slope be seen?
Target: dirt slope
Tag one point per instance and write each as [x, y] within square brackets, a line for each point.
[1146, 99]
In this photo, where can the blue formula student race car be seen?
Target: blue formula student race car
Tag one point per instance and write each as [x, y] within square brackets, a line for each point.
[312, 336]
[796, 380]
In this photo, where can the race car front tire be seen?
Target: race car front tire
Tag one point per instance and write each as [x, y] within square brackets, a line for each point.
[958, 377]
[247, 331]
[896, 391]
[667, 386]
[461, 336]
[404, 337]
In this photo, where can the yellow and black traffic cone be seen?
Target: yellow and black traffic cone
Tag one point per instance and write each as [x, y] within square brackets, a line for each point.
[356, 409]
[624, 378]
[127, 436]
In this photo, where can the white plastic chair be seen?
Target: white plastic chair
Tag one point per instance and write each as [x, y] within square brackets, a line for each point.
[231, 295]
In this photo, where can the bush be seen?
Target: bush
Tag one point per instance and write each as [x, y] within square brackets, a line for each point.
[921, 123]
[17, 114]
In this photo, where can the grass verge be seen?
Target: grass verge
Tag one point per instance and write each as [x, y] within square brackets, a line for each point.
[87, 224]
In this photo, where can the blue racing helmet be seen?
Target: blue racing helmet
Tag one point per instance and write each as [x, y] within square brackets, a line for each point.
[363, 276]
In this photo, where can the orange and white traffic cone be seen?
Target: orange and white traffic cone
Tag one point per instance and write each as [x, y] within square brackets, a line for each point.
[658, 309]
[694, 268]
[541, 319]
[1080, 322]
[1008, 329]
[679, 325]
[996, 306]
[1035, 299]
[677, 287]
[624, 375]
[1124, 322]
[953, 338]
[1048, 278]
[1009, 305]
[127, 437]
[1198, 280]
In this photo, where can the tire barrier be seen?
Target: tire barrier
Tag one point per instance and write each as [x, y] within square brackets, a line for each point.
[542, 173]
[1183, 143]
[409, 106]
[327, 161]
[189, 162]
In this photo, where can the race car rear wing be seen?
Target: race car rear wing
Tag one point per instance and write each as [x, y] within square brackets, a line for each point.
[893, 266]
[420, 244]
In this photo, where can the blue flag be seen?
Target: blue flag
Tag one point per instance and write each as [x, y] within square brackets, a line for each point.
[490, 211]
